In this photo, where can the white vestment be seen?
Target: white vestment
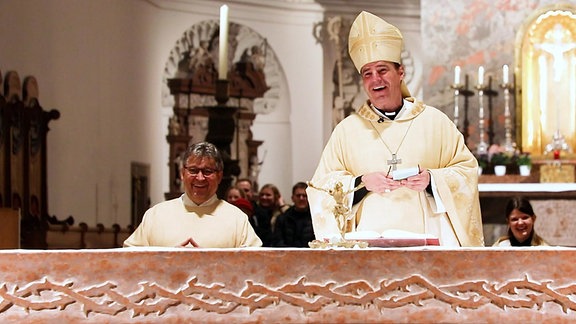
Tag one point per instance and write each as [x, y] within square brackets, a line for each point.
[214, 224]
[419, 136]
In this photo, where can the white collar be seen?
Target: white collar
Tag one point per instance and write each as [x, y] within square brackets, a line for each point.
[405, 104]
[188, 202]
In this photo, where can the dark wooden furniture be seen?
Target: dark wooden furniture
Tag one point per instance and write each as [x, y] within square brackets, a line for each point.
[10, 229]
[23, 134]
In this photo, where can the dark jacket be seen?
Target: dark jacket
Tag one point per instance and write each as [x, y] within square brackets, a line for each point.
[294, 228]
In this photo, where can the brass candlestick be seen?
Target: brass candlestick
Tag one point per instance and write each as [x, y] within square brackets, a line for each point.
[482, 147]
[508, 144]
[457, 88]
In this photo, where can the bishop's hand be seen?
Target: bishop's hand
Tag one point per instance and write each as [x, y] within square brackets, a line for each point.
[418, 182]
[380, 182]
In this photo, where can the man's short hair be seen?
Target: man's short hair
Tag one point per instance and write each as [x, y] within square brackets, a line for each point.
[245, 180]
[205, 149]
[299, 185]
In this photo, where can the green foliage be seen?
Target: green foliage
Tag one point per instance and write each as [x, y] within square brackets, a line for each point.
[500, 158]
[524, 159]
[482, 161]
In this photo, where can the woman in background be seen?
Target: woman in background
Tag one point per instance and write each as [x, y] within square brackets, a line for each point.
[270, 206]
[520, 218]
[233, 193]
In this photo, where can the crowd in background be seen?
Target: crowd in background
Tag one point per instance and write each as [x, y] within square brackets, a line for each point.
[281, 225]
[277, 223]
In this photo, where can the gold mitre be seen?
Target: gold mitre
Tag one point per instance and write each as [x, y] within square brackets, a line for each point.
[372, 39]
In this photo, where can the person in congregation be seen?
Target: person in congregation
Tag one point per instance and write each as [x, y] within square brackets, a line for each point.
[248, 209]
[233, 193]
[520, 218]
[294, 227]
[390, 134]
[198, 218]
[247, 186]
[270, 206]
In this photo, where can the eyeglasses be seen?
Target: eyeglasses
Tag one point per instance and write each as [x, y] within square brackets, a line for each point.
[195, 171]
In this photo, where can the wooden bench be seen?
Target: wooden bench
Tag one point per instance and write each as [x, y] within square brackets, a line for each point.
[10, 229]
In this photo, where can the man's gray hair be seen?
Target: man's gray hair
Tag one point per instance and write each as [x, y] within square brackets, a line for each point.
[205, 149]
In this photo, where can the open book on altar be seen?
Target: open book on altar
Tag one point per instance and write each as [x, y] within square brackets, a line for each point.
[392, 238]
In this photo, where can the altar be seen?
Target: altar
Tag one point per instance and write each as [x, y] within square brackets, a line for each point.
[260, 285]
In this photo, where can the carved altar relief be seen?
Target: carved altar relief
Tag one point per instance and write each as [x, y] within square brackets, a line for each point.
[546, 82]
[376, 286]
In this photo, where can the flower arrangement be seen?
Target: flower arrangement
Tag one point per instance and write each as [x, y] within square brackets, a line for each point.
[500, 158]
[524, 159]
[497, 155]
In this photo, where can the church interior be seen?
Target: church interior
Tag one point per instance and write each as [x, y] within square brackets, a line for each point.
[100, 98]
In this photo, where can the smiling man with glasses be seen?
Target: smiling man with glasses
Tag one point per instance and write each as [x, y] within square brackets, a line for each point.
[198, 218]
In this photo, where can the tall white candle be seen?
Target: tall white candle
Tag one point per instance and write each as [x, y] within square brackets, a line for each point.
[505, 72]
[457, 75]
[223, 49]
[481, 75]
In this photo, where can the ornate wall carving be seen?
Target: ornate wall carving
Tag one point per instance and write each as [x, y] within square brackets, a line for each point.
[190, 82]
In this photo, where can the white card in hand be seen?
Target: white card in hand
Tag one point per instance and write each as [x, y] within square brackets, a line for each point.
[405, 173]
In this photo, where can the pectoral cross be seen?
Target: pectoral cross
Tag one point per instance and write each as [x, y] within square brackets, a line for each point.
[394, 161]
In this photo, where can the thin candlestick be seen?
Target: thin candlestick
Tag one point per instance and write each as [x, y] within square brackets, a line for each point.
[456, 107]
[508, 146]
[482, 145]
[457, 86]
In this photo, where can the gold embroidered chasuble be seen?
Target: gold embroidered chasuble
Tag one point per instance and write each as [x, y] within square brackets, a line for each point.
[419, 136]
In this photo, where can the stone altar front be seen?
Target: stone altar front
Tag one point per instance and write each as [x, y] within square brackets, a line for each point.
[289, 285]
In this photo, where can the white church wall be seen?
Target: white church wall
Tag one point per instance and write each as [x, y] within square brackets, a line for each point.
[98, 71]
[292, 134]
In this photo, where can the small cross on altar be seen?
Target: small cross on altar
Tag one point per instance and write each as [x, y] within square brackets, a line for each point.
[394, 162]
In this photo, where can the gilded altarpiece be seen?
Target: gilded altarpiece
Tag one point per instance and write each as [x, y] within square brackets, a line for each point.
[546, 70]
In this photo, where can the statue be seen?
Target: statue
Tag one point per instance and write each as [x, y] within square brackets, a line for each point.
[174, 126]
[341, 212]
[256, 56]
[200, 57]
